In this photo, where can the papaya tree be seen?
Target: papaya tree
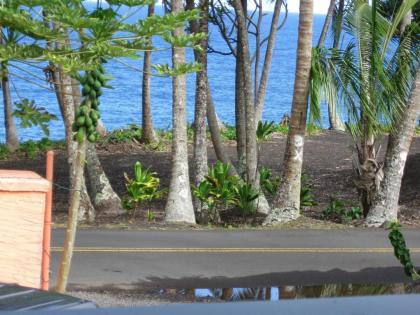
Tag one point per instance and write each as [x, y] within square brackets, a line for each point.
[99, 36]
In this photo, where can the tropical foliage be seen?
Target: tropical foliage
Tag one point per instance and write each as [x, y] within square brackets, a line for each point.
[371, 77]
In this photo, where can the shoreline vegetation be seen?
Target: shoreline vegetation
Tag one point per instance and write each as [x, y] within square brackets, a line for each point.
[317, 211]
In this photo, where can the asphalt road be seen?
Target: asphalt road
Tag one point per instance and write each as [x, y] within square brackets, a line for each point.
[177, 259]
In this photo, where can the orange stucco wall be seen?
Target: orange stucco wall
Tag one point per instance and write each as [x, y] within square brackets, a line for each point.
[22, 208]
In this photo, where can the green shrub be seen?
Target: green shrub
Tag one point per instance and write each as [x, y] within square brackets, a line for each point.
[244, 199]
[4, 152]
[131, 133]
[265, 130]
[306, 199]
[341, 210]
[228, 132]
[267, 183]
[220, 189]
[143, 187]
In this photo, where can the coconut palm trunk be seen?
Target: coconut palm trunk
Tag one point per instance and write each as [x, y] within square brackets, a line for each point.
[333, 118]
[179, 207]
[287, 201]
[385, 204]
[327, 23]
[12, 141]
[148, 132]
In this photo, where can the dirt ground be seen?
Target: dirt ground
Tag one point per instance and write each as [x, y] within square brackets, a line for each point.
[327, 166]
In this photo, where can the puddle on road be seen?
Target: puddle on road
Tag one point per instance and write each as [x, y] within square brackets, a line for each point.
[289, 292]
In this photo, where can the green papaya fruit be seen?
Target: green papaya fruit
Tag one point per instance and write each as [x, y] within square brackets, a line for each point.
[93, 94]
[97, 85]
[91, 129]
[81, 133]
[81, 120]
[92, 137]
[96, 73]
[83, 109]
[99, 92]
[90, 80]
[88, 121]
[103, 78]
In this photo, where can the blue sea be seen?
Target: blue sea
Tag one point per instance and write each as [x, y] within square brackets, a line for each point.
[122, 105]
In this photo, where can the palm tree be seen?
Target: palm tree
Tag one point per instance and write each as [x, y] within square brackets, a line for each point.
[385, 204]
[372, 78]
[179, 207]
[287, 202]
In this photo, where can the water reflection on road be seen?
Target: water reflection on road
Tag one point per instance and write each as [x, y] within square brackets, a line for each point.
[293, 292]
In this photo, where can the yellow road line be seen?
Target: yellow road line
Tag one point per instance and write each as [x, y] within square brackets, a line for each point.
[232, 250]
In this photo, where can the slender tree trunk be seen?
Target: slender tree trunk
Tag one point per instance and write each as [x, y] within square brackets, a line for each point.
[240, 120]
[12, 141]
[334, 118]
[405, 22]
[179, 207]
[76, 155]
[70, 236]
[215, 133]
[148, 133]
[252, 175]
[287, 201]
[200, 164]
[327, 23]
[262, 87]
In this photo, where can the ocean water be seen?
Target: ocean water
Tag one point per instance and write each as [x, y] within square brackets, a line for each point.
[122, 105]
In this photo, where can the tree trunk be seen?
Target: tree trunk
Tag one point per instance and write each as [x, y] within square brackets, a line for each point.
[252, 175]
[104, 198]
[287, 201]
[148, 134]
[333, 118]
[200, 164]
[179, 207]
[327, 23]
[76, 156]
[262, 87]
[70, 236]
[215, 133]
[240, 120]
[12, 141]
[405, 21]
